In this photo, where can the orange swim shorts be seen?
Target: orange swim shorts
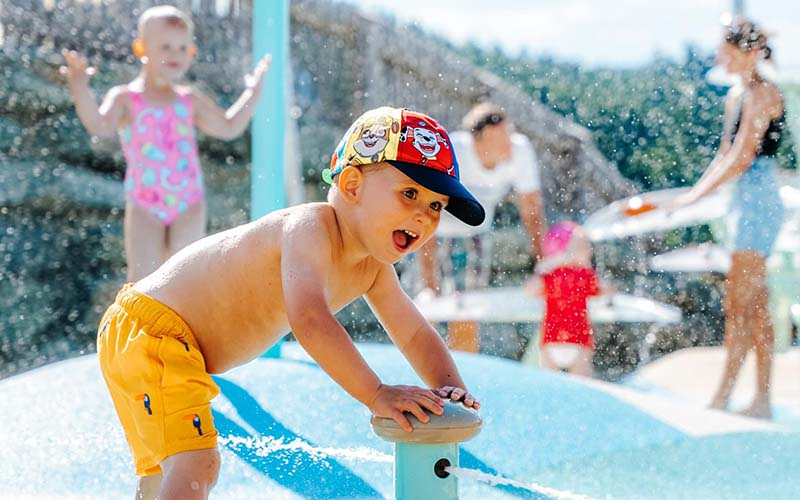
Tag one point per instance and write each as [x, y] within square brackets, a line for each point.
[157, 378]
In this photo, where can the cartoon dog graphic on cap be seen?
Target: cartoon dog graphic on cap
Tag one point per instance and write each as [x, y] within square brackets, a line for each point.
[428, 142]
[374, 136]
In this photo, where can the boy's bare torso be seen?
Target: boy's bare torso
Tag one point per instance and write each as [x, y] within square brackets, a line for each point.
[227, 287]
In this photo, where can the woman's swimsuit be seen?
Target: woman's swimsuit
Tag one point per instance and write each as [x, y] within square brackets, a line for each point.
[163, 174]
[757, 211]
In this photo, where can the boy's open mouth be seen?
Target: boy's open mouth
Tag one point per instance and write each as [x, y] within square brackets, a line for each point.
[403, 239]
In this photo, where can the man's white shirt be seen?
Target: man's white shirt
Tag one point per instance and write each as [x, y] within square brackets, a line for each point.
[490, 186]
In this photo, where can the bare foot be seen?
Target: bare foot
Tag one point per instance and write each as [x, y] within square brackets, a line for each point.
[718, 404]
[759, 409]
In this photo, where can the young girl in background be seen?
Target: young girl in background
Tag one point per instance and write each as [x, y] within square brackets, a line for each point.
[566, 279]
[156, 118]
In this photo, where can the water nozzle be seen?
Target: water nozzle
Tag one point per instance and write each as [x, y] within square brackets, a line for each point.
[455, 425]
[440, 467]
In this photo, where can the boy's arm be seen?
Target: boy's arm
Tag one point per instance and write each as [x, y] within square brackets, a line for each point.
[230, 123]
[414, 336]
[102, 121]
[305, 261]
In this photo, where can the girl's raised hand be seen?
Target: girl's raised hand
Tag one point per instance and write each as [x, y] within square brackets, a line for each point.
[255, 79]
[77, 68]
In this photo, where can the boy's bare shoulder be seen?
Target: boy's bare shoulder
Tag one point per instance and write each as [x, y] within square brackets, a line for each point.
[309, 213]
[312, 219]
[307, 233]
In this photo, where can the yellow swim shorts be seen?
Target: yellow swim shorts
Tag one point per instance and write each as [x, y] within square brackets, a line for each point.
[157, 378]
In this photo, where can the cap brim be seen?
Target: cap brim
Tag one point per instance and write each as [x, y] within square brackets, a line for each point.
[462, 204]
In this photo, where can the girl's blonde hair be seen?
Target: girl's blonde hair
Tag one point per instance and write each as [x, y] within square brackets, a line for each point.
[171, 15]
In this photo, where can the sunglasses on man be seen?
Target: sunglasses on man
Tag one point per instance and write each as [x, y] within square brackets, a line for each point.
[490, 119]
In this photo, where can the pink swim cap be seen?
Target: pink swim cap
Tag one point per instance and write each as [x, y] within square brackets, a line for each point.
[557, 238]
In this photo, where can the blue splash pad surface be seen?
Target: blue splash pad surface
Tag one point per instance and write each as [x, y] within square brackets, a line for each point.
[289, 433]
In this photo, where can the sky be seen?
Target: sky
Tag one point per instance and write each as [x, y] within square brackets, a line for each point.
[598, 33]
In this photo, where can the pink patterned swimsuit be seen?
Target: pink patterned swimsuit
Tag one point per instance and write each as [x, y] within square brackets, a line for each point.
[163, 174]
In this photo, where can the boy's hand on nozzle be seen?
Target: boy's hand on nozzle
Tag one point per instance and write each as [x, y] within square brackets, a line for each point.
[254, 80]
[392, 401]
[458, 394]
[77, 68]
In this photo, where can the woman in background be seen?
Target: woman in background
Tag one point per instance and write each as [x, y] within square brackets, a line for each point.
[754, 123]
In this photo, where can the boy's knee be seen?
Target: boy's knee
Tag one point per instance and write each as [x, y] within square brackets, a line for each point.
[211, 470]
[198, 470]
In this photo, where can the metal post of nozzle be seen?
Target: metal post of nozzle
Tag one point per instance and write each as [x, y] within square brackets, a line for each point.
[421, 457]
[267, 187]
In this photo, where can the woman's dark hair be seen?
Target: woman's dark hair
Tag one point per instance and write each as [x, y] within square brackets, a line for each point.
[747, 36]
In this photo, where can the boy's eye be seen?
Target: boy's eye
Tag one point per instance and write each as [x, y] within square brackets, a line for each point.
[184, 48]
[165, 46]
[410, 194]
[437, 206]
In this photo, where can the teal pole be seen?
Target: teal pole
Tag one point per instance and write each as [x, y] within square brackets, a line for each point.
[267, 185]
[421, 456]
[415, 471]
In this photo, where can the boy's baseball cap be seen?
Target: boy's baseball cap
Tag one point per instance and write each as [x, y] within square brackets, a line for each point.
[415, 144]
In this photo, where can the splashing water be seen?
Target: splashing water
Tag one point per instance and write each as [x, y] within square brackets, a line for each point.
[495, 480]
[266, 445]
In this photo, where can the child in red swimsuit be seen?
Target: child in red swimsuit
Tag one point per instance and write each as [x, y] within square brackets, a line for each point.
[566, 279]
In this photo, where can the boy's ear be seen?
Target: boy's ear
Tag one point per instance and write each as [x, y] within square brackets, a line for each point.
[349, 181]
[192, 51]
[138, 48]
